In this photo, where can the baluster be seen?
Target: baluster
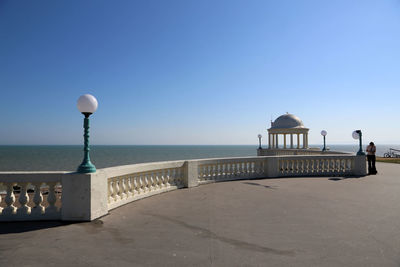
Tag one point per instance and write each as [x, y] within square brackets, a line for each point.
[301, 166]
[167, 177]
[135, 186]
[170, 176]
[51, 198]
[147, 183]
[244, 169]
[158, 180]
[38, 209]
[23, 200]
[110, 190]
[129, 191]
[232, 170]
[154, 180]
[116, 189]
[228, 170]
[215, 171]
[330, 166]
[150, 180]
[343, 165]
[122, 188]
[141, 185]
[9, 200]
[162, 179]
[305, 166]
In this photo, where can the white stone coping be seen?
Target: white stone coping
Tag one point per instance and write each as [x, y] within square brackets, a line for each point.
[141, 167]
[31, 176]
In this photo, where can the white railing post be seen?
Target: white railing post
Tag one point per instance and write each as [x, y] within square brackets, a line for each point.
[85, 196]
[360, 165]
[272, 167]
[190, 173]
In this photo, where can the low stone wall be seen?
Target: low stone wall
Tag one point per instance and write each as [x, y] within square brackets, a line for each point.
[85, 197]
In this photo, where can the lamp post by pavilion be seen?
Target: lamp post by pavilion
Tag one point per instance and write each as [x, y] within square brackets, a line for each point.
[87, 105]
[259, 140]
[324, 133]
[358, 135]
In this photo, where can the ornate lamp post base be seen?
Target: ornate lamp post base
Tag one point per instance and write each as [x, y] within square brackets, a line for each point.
[86, 167]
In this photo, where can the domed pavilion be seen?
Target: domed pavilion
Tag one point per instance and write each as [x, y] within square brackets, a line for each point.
[288, 125]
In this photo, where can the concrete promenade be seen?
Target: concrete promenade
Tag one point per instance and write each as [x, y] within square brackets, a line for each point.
[326, 221]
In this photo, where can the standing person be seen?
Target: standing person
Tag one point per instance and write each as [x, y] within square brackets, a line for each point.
[371, 149]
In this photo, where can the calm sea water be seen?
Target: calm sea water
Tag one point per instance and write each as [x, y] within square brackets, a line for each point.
[67, 158]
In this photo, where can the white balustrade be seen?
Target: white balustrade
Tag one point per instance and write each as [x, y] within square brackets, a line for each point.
[136, 185]
[24, 196]
[315, 166]
[215, 170]
[37, 195]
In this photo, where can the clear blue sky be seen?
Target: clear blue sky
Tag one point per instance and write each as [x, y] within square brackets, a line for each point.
[198, 72]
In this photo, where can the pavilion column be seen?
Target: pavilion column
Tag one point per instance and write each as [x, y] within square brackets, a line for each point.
[277, 143]
[291, 140]
[304, 140]
[269, 140]
[298, 141]
[284, 141]
[272, 141]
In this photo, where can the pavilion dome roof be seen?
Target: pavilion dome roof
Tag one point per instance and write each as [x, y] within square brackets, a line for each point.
[287, 121]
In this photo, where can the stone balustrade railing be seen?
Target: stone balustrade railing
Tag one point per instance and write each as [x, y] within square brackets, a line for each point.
[316, 165]
[30, 196]
[214, 170]
[133, 182]
[85, 197]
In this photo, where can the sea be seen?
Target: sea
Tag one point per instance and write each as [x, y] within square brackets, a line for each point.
[68, 158]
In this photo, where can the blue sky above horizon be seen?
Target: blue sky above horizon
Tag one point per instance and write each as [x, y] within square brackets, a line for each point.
[198, 72]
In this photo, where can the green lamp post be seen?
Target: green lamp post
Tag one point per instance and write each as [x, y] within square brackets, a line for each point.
[259, 141]
[87, 105]
[324, 133]
[358, 135]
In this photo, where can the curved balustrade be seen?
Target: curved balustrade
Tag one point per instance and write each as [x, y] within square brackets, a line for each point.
[28, 198]
[85, 197]
[315, 166]
[216, 170]
[138, 181]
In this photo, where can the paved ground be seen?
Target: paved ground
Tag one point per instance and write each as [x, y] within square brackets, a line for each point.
[271, 222]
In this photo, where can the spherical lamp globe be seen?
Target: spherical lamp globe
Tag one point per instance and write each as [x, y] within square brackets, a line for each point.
[355, 135]
[324, 133]
[87, 104]
[259, 135]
